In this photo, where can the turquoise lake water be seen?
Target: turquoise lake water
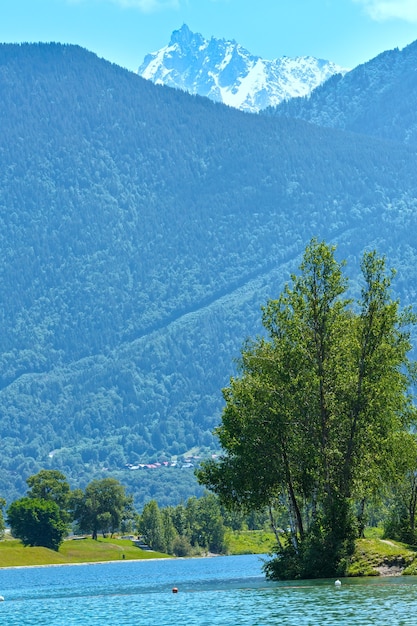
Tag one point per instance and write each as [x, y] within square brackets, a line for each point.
[229, 591]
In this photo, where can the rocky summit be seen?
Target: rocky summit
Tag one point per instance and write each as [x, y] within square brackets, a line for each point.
[226, 72]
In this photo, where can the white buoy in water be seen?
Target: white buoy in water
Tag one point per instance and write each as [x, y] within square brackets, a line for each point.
[1, 599]
[337, 583]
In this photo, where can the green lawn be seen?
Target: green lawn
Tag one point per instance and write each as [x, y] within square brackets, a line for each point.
[250, 542]
[13, 553]
[374, 553]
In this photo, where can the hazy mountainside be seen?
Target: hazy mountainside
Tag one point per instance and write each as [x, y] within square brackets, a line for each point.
[225, 72]
[141, 230]
[377, 98]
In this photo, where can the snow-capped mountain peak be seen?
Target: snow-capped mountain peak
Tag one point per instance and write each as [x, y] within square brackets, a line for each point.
[226, 72]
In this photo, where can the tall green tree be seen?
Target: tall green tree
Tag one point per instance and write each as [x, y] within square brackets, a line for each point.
[205, 522]
[401, 520]
[169, 530]
[51, 485]
[42, 517]
[103, 506]
[37, 522]
[151, 526]
[313, 418]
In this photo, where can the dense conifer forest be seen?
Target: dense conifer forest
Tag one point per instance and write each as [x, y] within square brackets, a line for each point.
[141, 230]
[373, 99]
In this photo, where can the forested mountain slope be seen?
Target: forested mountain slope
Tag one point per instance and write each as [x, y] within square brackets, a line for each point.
[377, 98]
[141, 230]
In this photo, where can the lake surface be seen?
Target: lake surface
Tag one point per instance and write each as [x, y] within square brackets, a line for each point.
[229, 591]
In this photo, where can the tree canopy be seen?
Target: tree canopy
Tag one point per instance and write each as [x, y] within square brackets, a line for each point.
[179, 530]
[37, 522]
[42, 517]
[50, 485]
[316, 416]
[103, 506]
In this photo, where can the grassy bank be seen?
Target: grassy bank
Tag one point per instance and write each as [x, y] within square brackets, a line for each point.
[373, 556]
[381, 557]
[14, 554]
[250, 542]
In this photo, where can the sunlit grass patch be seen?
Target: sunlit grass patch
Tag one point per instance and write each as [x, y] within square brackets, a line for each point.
[373, 554]
[250, 541]
[13, 553]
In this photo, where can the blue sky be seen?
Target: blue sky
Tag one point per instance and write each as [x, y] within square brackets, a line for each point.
[347, 32]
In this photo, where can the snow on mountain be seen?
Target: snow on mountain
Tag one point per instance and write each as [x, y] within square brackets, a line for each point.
[225, 72]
